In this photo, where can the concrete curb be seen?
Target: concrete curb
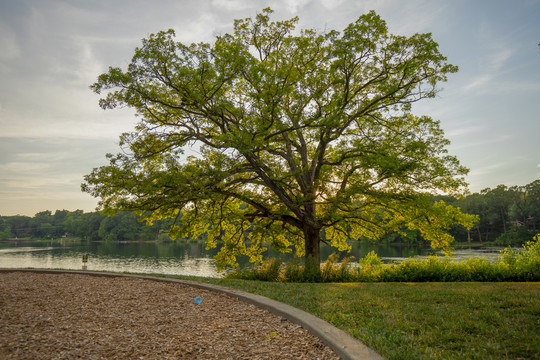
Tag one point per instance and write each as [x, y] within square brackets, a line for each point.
[347, 347]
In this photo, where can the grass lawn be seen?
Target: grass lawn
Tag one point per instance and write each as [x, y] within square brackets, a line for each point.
[421, 320]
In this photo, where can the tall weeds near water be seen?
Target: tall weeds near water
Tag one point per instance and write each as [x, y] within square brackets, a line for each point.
[512, 265]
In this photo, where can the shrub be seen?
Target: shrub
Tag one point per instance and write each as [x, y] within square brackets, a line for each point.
[294, 272]
[269, 270]
[417, 270]
[522, 265]
[517, 235]
[242, 274]
[370, 259]
[528, 260]
[512, 265]
[369, 269]
[332, 271]
[480, 269]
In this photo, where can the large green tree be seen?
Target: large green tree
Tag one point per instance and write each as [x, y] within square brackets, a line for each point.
[300, 137]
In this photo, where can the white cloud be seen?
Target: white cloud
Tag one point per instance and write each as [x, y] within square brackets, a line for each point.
[332, 4]
[294, 5]
[464, 130]
[230, 5]
[421, 16]
[493, 57]
[499, 57]
[478, 82]
[487, 169]
[23, 168]
[481, 143]
[8, 44]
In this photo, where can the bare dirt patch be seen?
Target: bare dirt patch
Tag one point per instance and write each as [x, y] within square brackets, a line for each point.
[61, 316]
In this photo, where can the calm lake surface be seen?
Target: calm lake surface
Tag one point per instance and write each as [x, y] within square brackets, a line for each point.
[173, 258]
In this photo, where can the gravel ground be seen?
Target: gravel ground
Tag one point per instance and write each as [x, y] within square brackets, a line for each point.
[70, 316]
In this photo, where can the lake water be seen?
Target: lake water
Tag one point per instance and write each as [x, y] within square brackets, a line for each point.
[173, 258]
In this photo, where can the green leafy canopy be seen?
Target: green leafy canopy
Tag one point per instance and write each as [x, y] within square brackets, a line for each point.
[299, 134]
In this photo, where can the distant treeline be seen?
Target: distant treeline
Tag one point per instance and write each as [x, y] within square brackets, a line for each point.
[88, 226]
[508, 216]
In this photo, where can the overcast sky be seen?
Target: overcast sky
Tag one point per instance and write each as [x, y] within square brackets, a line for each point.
[52, 131]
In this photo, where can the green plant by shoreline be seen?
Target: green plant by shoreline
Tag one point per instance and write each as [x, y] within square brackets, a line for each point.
[511, 265]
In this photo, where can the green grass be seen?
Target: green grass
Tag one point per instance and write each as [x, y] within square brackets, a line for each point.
[421, 320]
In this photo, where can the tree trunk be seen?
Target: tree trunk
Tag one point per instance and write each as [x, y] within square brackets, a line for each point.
[312, 271]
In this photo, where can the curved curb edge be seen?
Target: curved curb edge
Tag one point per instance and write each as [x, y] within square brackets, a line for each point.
[347, 347]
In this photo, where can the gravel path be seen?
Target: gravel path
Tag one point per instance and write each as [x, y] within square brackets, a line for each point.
[70, 316]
